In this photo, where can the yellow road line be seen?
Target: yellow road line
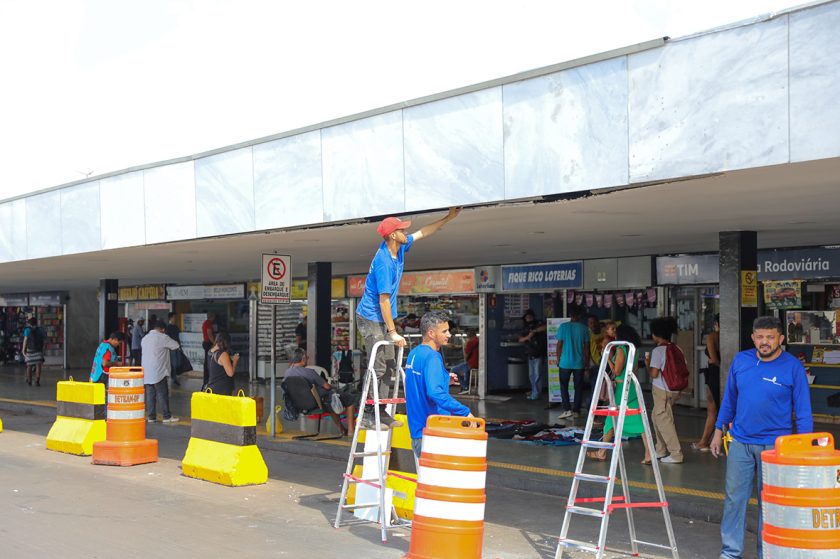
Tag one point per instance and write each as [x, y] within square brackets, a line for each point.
[39, 403]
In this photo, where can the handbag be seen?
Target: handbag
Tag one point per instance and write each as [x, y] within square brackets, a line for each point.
[184, 365]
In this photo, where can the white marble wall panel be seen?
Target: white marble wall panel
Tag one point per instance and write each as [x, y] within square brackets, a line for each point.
[453, 151]
[43, 225]
[80, 220]
[224, 193]
[122, 208]
[169, 199]
[815, 83]
[363, 168]
[288, 188]
[567, 131]
[13, 231]
[711, 103]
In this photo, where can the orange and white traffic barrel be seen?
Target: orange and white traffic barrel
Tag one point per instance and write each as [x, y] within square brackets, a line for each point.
[125, 441]
[449, 502]
[801, 498]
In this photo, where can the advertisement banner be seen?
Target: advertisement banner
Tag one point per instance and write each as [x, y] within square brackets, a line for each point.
[423, 283]
[798, 264]
[552, 324]
[198, 292]
[688, 269]
[487, 279]
[142, 293]
[543, 277]
[783, 294]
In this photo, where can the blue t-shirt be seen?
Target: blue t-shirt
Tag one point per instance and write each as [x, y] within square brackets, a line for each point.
[573, 335]
[427, 389]
[383, 277]
[760, 397]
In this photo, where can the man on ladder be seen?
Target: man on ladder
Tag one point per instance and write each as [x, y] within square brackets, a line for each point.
[377, 308]
[610, 503]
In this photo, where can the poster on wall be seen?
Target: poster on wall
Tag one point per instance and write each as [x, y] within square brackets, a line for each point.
[783, 294]
[834, 296]
[552, 325]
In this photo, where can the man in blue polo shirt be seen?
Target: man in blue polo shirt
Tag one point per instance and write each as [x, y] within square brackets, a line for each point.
[426, 379]
[765, 386]
[377, 308]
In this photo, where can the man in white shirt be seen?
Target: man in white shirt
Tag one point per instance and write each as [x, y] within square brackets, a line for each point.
[156, 368]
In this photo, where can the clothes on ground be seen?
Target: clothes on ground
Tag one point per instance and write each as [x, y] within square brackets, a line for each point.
[427, 389]
[156, 364]
[573, 335]
[761, 395]
[219, 382]
[104, 353]
[658, 357]
[383, 277]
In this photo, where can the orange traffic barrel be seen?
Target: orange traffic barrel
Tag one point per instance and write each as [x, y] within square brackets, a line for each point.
[125, 441]
[801, 498]
[449, 502]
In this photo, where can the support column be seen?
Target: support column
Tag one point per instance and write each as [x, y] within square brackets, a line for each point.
[738, 253]
[108, 307]
[319, 324]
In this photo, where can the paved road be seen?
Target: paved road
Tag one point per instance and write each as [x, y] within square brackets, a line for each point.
[55, 504]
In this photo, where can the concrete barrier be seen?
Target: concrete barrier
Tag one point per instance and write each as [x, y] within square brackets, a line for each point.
[80, 417]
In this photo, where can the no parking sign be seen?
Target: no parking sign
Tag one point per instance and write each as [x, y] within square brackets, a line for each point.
[276, 279]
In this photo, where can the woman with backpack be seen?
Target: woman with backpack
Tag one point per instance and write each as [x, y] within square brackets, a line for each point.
[33, 351]
[669, 372]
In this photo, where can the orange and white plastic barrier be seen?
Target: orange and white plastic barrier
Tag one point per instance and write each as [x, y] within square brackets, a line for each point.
[449, 501]
[125, 429]
[801, 498]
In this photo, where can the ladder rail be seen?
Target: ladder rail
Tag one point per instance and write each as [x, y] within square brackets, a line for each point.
[371, 384]
[617, 467]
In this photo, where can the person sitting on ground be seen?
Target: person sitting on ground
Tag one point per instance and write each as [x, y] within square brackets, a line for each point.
[221, 366]
[633, 425]
[33, 351]
[462, 370]
[105, 358]
[348, 396]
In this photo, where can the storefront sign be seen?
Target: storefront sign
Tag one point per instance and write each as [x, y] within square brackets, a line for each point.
[300, 288]
[552, 326]
[543, 277]
[276, 279]
[14, 300]
[749, 288]
[423, 283]
[487, 279]
[198, 292]
[688, 269]
[809, 263]
[142, 293]
[44, 299]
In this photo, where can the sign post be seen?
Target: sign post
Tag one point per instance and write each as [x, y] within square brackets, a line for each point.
[276, 276]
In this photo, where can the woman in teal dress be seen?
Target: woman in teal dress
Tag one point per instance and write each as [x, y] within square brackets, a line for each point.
[633, 425]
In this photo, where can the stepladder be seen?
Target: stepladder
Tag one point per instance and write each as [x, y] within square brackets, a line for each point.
[625, 400]
[373, 500]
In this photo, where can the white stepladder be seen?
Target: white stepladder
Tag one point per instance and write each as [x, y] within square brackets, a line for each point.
[376, 454]
[617, 465]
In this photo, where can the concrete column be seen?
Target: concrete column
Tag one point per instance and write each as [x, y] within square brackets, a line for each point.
[738, 252]
[108, 307]
[81, 323]
[319, 324]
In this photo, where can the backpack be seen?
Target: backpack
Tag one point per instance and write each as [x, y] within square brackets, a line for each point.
[37, 340]
[675, 372]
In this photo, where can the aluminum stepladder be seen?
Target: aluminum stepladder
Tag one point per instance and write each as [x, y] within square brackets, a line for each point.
[385, 515]
[617, 464]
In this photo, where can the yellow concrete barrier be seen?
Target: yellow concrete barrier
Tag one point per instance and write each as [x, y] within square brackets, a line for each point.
[1, 425]
[223, 442]
[80, 417]
[402, 470]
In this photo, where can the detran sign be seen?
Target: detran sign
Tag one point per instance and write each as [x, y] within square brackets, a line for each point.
[543, 277]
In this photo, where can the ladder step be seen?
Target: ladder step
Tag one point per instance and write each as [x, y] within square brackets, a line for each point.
[647, 505]
[597, 444]
[585, 546]
[598, 499]
[659, 545]
[593, 477]
[585, 511]
[353, 479]
[361, 506]
[367, 454]
[385, 401]
[614, 413]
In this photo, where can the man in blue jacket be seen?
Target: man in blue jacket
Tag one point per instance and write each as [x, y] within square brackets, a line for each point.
[426, 379]
[765, 386]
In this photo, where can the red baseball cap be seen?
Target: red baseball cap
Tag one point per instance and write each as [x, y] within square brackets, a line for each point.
[391, 224]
